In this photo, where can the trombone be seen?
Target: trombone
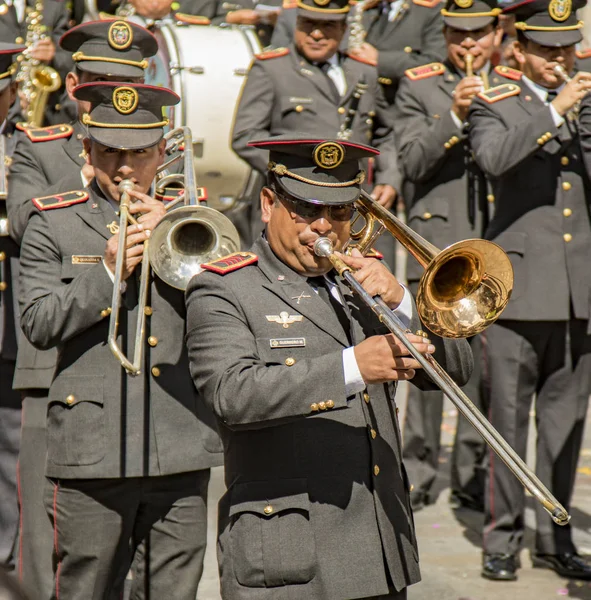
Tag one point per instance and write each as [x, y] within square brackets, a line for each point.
[463, 290]
[184, 239]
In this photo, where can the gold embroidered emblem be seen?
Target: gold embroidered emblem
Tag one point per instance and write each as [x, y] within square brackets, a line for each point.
[113, 227]
[125, 99]
[464, 3]
[329, 155]
[120, 35]
[284, 319]
[560, 10]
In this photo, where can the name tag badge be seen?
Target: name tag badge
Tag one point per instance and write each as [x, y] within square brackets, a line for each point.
[287, 342]
[86, 260]
[296, 100]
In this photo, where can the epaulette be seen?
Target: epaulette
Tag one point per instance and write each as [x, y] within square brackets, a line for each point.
[427, 3]
[192, 19]
[230, 263]
[508, 72]
[172, 193]
[46, 134]
[362, 60]
[287, 4]
[500, 92]
[273, 53]
[583, 53]
[60, 200]
[373, 253]
[425, 71]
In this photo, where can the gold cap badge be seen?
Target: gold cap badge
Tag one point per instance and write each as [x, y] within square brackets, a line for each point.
[464, 3]
[329, 155]
[125, 99]
[321, 2]
[120, 35]
[560, 10]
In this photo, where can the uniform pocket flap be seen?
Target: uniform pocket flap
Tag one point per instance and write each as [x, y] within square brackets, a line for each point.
[297, 105]
[427, 210]
[73, 390]
[270, 498]
[512, 242]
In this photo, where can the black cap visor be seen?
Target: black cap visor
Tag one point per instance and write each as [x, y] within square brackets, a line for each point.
[468, 23]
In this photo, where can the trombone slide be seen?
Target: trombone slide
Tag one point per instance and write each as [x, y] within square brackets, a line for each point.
[323, 247]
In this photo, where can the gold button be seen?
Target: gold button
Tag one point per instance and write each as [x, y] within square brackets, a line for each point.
[153, 341]
[366, 397]
[290, 362]
[373, 433]
[564, 160]
[314, 407]
[455, 139]
[566, 186]
[547, 135]
[2, 256]
[567, 212]
[567, 237]
[156, 371]
[70, 399]
[341, 110]
[322, 405]
[3, 286]
[540, 141]
[447, 145]
[19, 40]
[427, 215]
[268, 509]
[385, 80]
[408, 49]
[376, 470]
[299, 108]
[436, 116]
[105, 312]
[148, 311]
[329, 404]
[372, 113]
[261, 32]
[411, 488]
[491, 197]
[20, 58]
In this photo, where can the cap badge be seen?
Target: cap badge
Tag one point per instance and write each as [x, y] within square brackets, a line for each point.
[329, 155]
[560, 10]
[125, 100]
[321, 2]
[464, 3]
[120, 35]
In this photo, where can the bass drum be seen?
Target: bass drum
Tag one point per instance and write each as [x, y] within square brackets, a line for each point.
[207, 67]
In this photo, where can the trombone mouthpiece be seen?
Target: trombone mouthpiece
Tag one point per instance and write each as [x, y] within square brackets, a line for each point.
[323, 247]
[125, 186]
[561, 72]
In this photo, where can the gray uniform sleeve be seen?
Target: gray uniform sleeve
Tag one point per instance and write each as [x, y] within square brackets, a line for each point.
[54, 308]
[419, 135]
[243, 391]
[253, 117]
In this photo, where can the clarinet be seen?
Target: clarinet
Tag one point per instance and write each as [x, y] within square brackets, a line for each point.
[345, 130]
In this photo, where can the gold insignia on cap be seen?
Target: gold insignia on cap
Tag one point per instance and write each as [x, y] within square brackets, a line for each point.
[125, 99]
[321, 2]
[464, 3]
[560, 10]
[120, 35]
[329, 155]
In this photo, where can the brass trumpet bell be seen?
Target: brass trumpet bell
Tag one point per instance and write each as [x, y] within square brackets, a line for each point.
[186, 238]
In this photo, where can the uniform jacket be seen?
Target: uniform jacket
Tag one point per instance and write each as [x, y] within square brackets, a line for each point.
[541, 204]
[317, 502]
[36, 167]
[444, 190]
[287, 94]
[102, 422]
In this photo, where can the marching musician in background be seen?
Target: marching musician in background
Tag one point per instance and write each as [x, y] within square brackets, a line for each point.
[302, 378]
[447, 201]
[314, 88]
[46, 157]
[128, 458]
[10, 402]
[524, 135]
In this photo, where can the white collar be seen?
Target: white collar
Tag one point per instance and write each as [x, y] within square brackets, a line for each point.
[539, 90]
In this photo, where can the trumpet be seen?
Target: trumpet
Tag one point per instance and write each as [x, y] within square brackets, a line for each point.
[468, 61]
[323, 247]
[562, 73]
[185, 238]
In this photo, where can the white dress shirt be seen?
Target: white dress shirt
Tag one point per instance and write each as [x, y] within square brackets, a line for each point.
[542, 94]
[19, 7]
[336, 73]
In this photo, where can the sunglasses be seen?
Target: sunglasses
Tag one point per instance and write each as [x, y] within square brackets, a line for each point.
[312, 212]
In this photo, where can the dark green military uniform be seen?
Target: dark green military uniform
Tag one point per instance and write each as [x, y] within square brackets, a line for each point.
[327, 510]
[540, 343]
[127, 457]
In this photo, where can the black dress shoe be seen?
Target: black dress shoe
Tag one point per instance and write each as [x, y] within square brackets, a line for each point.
[499, 567]
[571, 566]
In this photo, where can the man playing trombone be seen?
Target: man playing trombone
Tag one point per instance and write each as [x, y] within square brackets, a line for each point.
[302, 378]
[128, 457]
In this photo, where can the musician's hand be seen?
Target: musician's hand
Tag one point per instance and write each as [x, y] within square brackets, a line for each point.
[151, 210]
[244, 16]
[366, 52]
[43, 50]
[383, 358]
[384, 195]
[136, 236]
[152, 9]
[375, 278]
[463, 95]
[574, 91]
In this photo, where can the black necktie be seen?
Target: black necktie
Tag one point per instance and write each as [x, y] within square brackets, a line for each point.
[322, 287]
[324, 67]
[551, 95]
